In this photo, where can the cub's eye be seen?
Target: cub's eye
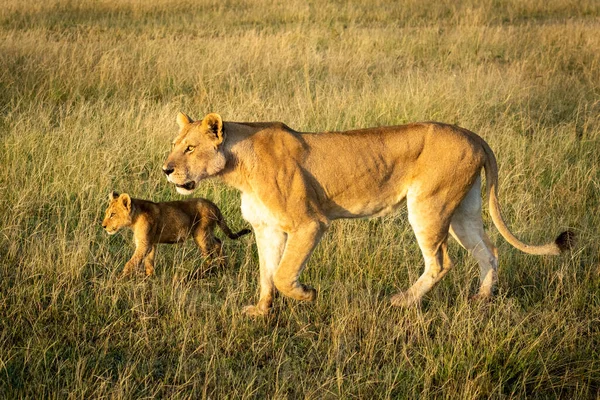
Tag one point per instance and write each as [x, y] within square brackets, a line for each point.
[189, 149]
[172, 146]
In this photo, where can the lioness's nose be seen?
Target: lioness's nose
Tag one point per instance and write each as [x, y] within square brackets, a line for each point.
[168, 170]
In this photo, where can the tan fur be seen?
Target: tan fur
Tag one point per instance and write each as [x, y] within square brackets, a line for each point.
[166, 222]
[294, 184]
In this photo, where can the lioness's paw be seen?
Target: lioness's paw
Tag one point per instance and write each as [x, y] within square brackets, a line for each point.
[404, 299]
[311, 293]
[481, 297]
[255, 311]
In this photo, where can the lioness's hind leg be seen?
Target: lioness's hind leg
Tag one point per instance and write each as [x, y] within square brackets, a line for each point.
[467, 228]
[437, 264]
[431, 230]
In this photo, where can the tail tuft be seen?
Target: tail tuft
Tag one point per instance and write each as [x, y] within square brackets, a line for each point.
[566, 240]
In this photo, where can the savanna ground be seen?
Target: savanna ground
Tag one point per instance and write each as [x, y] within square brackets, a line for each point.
[89, 92]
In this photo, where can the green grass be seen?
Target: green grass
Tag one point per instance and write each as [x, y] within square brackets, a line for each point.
[89, 92]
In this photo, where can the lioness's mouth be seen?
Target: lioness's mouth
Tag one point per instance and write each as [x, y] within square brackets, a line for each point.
[191, 185]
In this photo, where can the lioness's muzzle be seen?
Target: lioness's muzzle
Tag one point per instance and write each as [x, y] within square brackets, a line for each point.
[191, 185]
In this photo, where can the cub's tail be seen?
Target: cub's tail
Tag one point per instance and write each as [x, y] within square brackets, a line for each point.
[232, 235]
[563, 242]
[225, 228]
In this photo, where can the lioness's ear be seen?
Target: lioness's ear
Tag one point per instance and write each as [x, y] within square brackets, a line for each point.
[183, 120]
[214, 126]
[126, 201]
[113, 195]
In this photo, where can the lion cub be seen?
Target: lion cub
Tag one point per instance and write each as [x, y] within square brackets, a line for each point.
[166, 222]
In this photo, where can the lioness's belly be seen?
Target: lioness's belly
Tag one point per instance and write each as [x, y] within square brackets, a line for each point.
[361, 188]
[361, 175]
[372, 204]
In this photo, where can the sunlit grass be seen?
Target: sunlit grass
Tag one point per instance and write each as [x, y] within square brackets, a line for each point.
[89, 91]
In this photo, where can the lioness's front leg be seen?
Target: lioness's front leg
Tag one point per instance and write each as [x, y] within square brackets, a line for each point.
[270, 242]
[300, 245]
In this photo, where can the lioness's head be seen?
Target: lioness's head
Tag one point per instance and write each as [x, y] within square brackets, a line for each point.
[196, 153]
[118, 213]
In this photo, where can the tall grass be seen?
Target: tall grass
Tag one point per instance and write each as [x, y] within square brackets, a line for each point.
[89, 92]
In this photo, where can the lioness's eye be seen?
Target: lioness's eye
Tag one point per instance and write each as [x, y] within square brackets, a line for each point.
[111, 215]
[189, 149]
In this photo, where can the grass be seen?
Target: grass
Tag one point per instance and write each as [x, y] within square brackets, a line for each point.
[89, 92]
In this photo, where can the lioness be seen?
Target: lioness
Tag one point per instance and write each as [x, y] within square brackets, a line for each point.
[166, 222]
[294, 184]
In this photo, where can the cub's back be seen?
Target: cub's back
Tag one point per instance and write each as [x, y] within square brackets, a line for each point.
[174, 221]
[192, 208]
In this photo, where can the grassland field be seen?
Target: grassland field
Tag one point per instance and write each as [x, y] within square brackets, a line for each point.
[89, 93]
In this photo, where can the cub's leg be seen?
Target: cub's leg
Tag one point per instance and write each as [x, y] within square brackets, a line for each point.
[270, 242]
[467, 228]
[142, 249]
[209, 245]
[431, 229]
[149, 261]
[300, 245]
[217, 252]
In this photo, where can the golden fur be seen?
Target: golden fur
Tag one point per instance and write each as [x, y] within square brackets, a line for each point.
[166, 222]
[294, 184]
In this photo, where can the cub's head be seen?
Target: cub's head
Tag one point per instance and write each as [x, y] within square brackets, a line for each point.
[118, 213]
[196, 153]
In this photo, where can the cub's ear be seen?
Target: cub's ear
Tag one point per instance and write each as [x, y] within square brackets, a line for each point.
[183, 120]
[113, 195]
[126, 200]
[213, 125]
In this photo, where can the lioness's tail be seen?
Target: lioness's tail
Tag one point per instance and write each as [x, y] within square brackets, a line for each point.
[563, 242]
[223, 225]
